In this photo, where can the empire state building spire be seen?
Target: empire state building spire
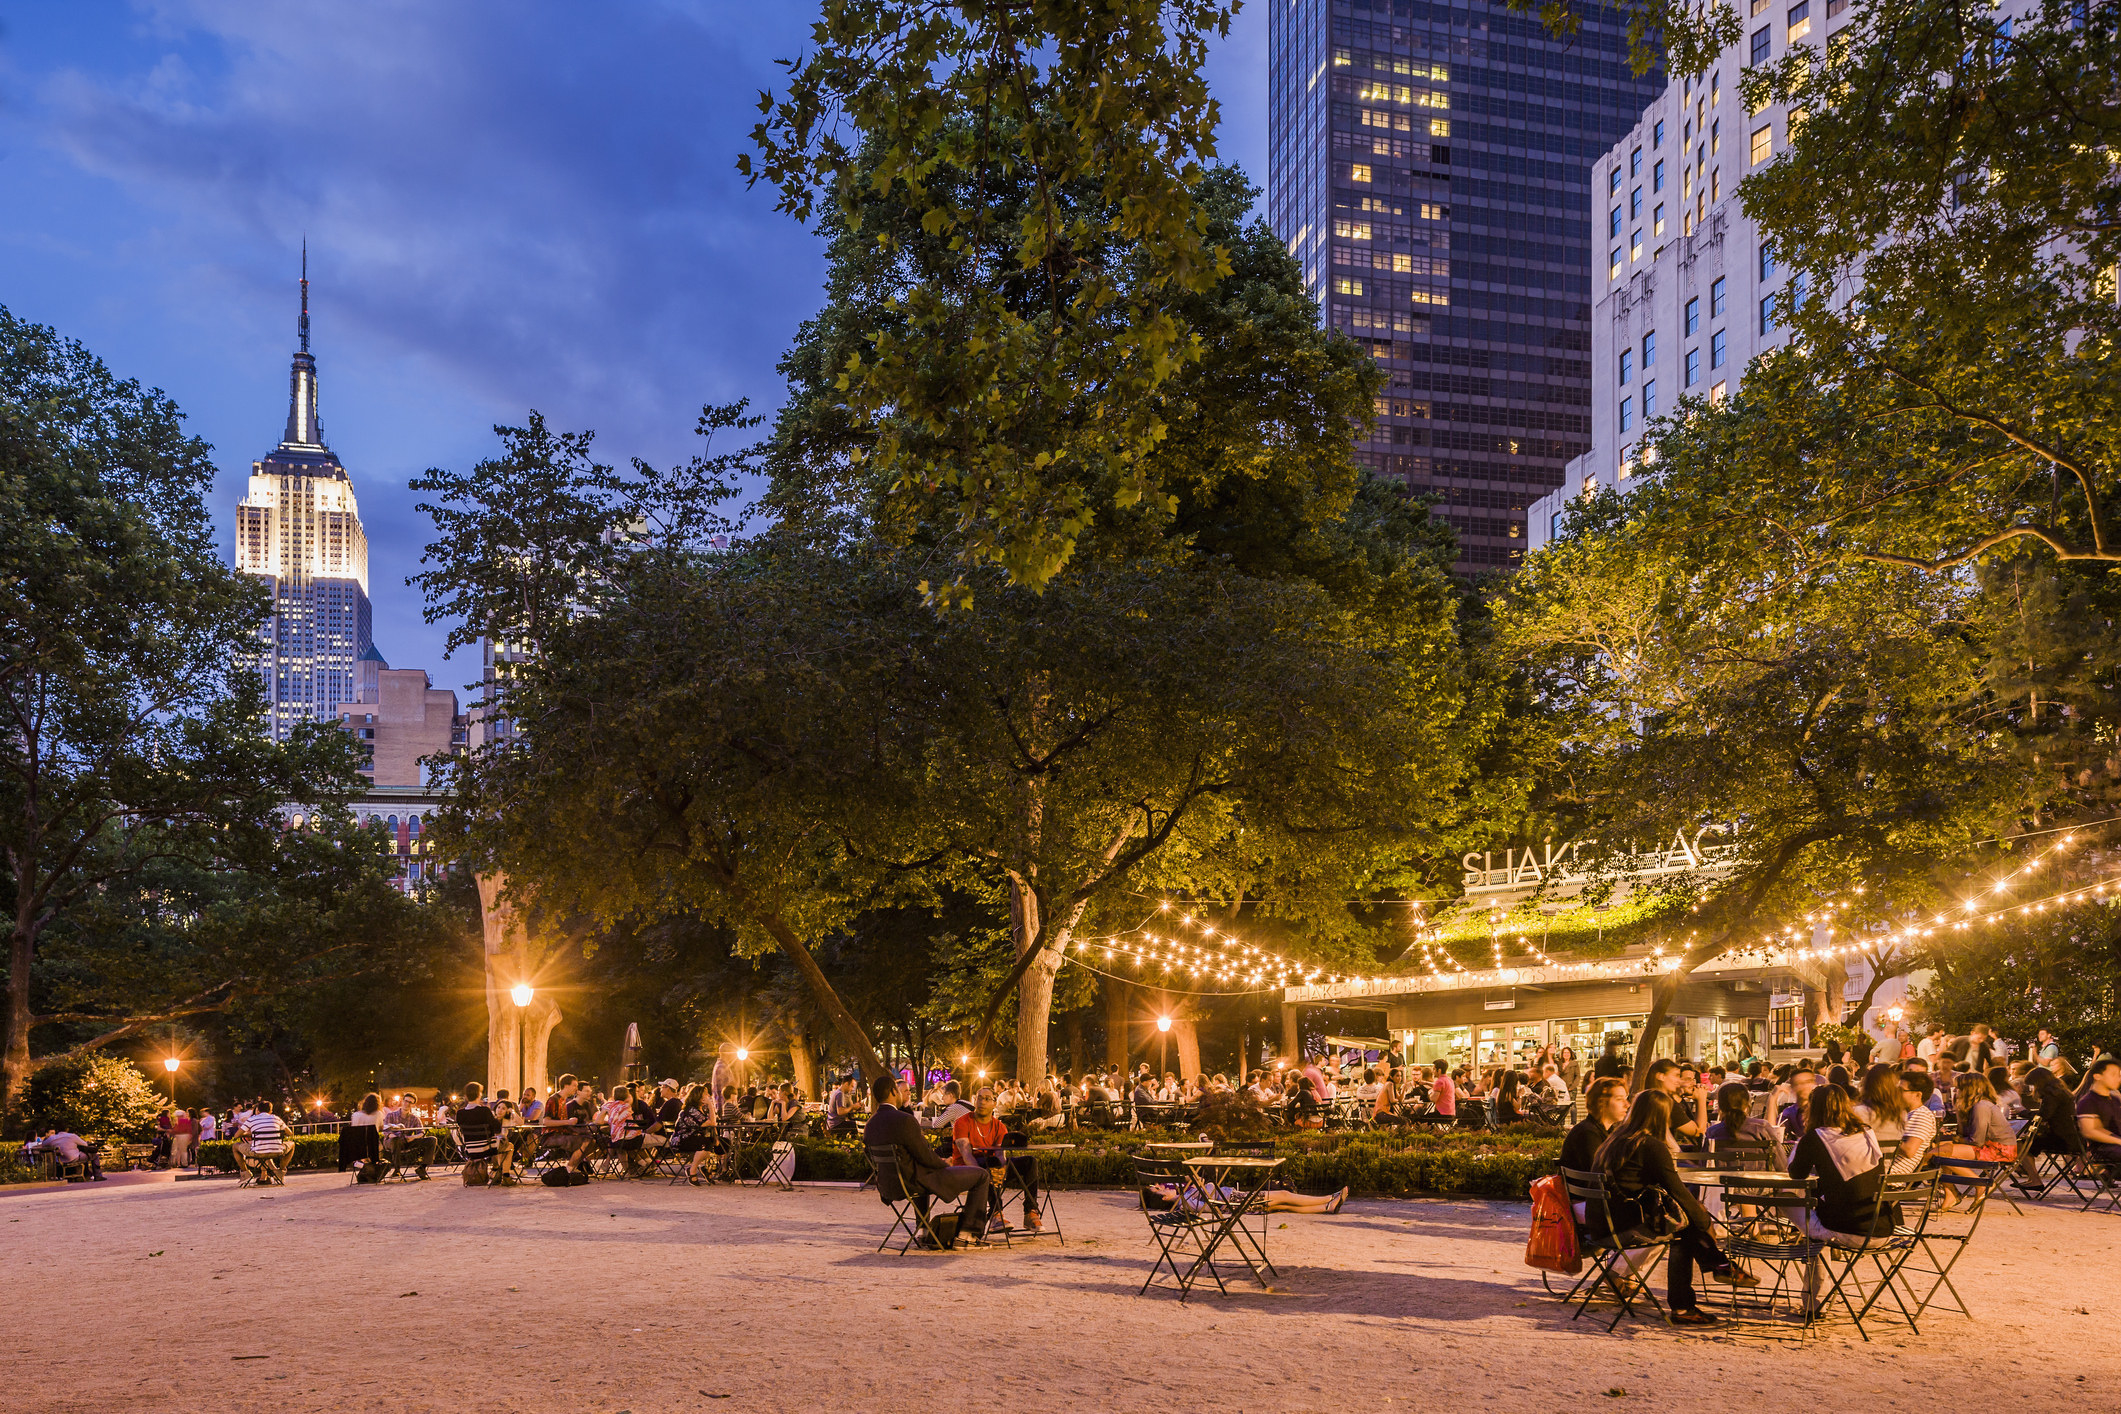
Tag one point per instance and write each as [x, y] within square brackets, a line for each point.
[302, 426]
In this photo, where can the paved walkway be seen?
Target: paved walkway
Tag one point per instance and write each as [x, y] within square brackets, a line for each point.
[642, 1297]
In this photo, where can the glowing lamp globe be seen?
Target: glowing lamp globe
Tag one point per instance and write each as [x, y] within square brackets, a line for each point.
[521, 993]
[170, 1065]
[1163, 1023]
[742, 1054]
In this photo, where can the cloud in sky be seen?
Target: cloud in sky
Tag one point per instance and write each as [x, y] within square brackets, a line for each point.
[508, 206]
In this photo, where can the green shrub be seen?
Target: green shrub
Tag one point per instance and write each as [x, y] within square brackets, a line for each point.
[311, 1151]
[96, 1096]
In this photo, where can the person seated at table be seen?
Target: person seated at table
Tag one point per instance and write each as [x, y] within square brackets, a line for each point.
[485, 1138]
[1842, 1153]
[1838, 1075]
[1792, 1113]
[261, 1146]
[841, 1108]
[893, 1124]
[2006, 1094]
[1145, 1092]
[1683, 1083]
[1734, 1122]
[1605, 1105]
[1047, 1111]
[564, 1129]
[952, 1105]
[1645, 1195]
[2099, 1110]
[980, 1138]
[1553, 1090]
[1306, 1107]
[70, 1148]
[532, 1107]
[1510, 1100]
[785, 1112]
[1918, 1125]
[692, 1133]
[2054, 1112]
[406, 1139]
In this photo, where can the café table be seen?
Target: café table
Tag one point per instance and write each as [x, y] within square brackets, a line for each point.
[1248, 1177]
[1047, 1207]
[1190, 1146]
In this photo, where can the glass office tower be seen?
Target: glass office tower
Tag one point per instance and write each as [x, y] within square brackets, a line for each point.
[1430, 166]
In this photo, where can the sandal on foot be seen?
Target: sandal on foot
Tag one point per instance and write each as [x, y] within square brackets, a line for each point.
[1333, 1204]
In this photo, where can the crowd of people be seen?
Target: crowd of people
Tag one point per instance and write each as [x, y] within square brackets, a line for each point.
[1848, 1125]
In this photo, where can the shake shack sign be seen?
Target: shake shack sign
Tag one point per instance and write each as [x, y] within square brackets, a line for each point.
[1569, 867]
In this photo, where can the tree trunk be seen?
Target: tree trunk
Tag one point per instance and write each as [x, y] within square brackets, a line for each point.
[1034, 990]
[801, 1063]
[1072, 1028]
[1244, 1049]
[1117, 1021]
[14, 1065]
[1662, 991]
[1291, 1034]
[508, 961]
[1187, 1030]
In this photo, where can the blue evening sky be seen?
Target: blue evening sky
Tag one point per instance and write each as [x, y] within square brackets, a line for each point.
[529, 205]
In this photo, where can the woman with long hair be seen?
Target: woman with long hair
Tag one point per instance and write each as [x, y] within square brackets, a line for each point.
[693, 1134]
[1984, 1133]
[2054, 1111]
[1881, 1105]
[1644, 1195]
[1734, 1119]
[1844, 1153]
[1509, 1100]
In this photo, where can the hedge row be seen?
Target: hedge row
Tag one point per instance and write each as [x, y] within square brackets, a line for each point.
[1496, 1166]
[1499, 1165]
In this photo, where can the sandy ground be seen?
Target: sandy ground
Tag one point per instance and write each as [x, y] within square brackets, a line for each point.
[642, 1297]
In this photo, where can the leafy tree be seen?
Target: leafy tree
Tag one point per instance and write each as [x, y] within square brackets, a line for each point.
[1987, 239]
[96, 1096]
[131, 722]
[1048, 153]
[2061, 971]
[1839, 715]
[236, 933]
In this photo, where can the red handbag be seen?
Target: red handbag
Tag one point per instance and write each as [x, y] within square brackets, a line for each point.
[1552, 1245]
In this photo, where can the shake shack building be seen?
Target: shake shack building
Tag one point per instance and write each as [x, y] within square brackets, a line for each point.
[1573, 949]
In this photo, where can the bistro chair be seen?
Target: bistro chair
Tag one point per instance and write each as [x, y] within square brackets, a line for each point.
[895, 1185]
[1619, 1262]
[1181, 1227]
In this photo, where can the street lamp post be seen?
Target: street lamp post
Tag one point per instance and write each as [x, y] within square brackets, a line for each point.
[1163, 1044]
[521, 994]
[170, 1064]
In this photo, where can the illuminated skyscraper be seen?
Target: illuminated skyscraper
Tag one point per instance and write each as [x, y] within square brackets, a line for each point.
[299, 529]
[1430, 167]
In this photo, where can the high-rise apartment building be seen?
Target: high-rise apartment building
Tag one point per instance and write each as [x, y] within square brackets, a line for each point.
[1430, 166]
[299, 528]
[1686, 287]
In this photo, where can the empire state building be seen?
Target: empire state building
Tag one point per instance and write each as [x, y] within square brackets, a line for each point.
[299, 529]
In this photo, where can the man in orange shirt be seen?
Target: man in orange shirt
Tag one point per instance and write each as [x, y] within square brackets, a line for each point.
[977, 1138]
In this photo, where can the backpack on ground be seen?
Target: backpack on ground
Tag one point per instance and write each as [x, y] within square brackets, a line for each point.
[475, 1173]
[553, 1178]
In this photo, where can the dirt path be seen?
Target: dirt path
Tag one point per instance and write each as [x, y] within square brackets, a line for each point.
[641, 1297]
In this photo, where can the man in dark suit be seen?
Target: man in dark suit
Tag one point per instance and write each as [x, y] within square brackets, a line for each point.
[893, 1123]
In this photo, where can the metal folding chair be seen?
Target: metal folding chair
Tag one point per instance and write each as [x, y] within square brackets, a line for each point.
[895, 1185]
[1185, 1224]
[1611, 1267]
